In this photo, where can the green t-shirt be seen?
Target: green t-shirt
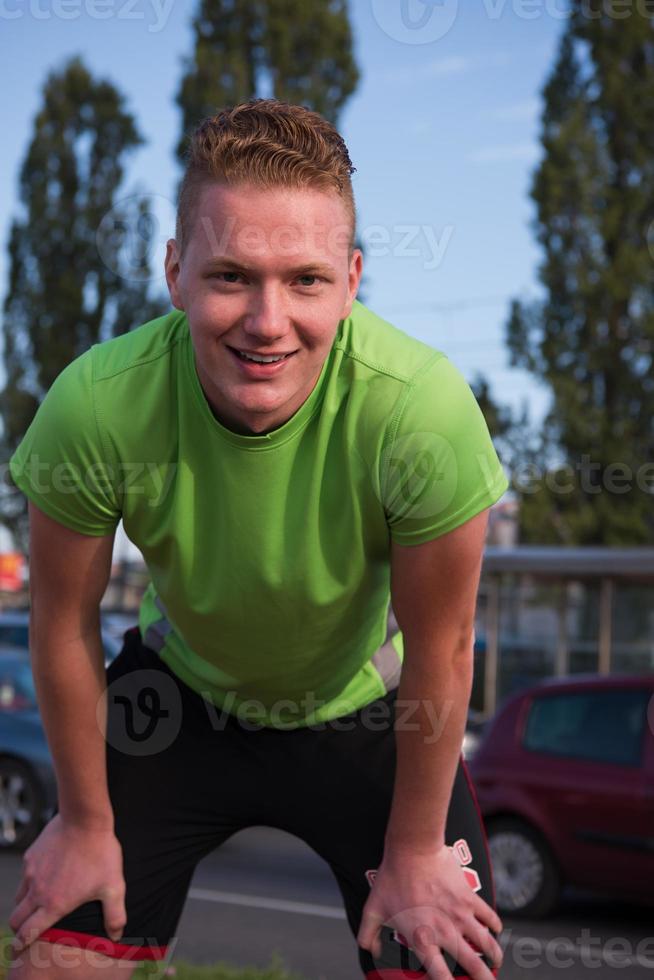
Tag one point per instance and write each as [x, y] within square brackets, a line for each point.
[269, 555]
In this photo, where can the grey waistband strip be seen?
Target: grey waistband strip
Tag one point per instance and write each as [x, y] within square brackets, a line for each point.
[156, 633]
[386, 660]
[388, 664]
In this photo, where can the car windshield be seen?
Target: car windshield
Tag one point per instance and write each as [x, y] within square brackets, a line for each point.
[17, 689]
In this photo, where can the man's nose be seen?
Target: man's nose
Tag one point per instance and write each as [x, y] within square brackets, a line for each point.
[268, 316]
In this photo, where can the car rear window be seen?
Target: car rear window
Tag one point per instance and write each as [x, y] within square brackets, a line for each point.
[602, 726]
[14, 634]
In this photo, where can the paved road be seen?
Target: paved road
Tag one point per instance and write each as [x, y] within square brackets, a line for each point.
[265, 890]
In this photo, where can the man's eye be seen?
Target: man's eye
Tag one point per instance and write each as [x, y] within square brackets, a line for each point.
[220, 276]
[315, 278]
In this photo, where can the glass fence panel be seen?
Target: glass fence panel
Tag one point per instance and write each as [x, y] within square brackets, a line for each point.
[548, 627]
[632, 648]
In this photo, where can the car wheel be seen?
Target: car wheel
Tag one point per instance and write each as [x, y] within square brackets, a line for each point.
[527, 882]
[21, 804]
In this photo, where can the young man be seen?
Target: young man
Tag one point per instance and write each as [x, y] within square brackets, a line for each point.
[279, 504]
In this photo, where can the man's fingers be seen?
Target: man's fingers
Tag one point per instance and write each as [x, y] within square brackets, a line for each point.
[115, 917]
[23, 888]
[32, 928]
[428, 944]
[22, 912]
[486, 914]
[481, 937]
[368, 935]
[427, 948]
[471, 962]
[433, 962]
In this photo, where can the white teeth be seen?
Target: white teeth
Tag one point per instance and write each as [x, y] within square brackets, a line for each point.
[261, 360]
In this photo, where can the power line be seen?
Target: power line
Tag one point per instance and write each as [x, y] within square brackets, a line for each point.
[461, 304]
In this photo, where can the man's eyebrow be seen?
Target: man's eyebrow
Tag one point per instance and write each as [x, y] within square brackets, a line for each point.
[223, 262]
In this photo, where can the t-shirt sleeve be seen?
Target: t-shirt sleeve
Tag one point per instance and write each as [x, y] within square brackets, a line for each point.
[439, 466]
[61, 463]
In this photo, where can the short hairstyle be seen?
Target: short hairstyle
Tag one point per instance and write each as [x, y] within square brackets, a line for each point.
[267, 143]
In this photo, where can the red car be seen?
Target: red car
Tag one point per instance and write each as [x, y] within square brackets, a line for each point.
[565, 781]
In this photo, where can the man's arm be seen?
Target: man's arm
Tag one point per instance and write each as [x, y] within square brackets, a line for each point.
[420, 889]
[77, 857]
[69, 573]
[433, 593]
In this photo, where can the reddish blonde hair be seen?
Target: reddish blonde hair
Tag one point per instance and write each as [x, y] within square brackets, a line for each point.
[270, 144]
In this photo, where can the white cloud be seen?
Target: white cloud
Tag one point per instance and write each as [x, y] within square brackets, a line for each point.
[454, 65]
[502, 153]
[517, 112]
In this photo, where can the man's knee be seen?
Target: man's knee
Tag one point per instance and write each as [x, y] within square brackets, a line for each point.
[57, 961]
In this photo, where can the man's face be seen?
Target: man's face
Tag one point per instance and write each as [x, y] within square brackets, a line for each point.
[264, 271]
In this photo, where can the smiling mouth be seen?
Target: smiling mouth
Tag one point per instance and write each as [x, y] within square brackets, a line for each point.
[244, 357]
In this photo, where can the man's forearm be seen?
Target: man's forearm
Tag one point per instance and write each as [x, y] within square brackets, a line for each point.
[70, 680]
[430, 718]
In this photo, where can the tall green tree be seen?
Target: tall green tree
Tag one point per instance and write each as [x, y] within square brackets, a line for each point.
[591, 338]
[499, 418]
[74, 275]
[298, 51]
[294, 50]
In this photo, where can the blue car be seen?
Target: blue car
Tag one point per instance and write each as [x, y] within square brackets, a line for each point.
[28, 789]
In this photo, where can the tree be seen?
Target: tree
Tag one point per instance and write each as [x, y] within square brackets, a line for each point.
[498, 417]
[293, 50]
[298, 51]
[71, 283]
[592, 336]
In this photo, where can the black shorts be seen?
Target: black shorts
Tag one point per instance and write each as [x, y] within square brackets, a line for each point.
[184, 776]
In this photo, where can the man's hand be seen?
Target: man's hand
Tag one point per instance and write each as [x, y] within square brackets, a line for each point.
[66, 866]
[427, 899]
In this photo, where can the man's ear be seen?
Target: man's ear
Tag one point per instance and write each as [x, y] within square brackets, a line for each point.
[172, 269]
[354, 278]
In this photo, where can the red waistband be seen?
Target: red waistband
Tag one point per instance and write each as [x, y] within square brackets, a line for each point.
[99, 944]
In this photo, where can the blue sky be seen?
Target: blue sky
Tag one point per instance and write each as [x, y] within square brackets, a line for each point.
[443, 131]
